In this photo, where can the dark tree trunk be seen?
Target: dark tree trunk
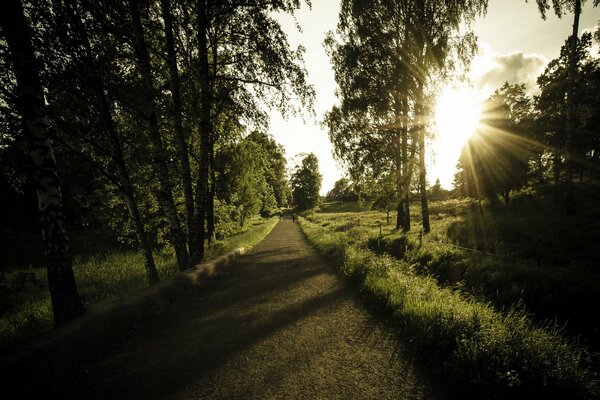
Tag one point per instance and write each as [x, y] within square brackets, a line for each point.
[182, 147]
[404, 203]
[506, 196]
[205, 123]
[159, 154]
[210, 209]
[126, 188]
[570, 190]
[422, 168]
[66, 303]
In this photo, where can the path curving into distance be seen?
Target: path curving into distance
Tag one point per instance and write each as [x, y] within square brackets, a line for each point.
[278, 324]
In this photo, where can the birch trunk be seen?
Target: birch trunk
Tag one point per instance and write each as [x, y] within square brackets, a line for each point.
[422, 168]
[205, 123]
[182, 147]
[66, 303]
[126, 188]
[159, 154]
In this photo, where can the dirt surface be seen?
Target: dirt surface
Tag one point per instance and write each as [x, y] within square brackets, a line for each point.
[279, 324]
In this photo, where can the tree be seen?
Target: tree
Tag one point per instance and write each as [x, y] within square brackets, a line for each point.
[343, 190]
[551, 109]
[382, 191]
[496, 159]
[90, 73]
[385, 54]
[150, 112]
[306, 183]
[177, 117]
[559, 6]
[243, 55]
[66, 303]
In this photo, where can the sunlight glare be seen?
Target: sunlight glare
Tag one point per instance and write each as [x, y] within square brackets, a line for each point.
[457, 115]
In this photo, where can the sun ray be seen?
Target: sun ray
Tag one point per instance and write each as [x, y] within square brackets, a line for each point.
[456, 118]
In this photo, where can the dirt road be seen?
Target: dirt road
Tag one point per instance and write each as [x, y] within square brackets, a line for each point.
[279, 324]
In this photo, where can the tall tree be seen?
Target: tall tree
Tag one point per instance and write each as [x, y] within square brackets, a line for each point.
[66, 303]
[177, 116]
[243, 55]
[306, 183]
[559, 7]
[149, 108]
[385, 54]
[551, 109]
[91, 74]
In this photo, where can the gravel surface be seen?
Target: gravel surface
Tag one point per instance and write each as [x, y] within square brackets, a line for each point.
[279, 324]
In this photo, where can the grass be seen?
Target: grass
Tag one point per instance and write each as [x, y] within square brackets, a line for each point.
[478, 350]
[545, 263]
[25, 301]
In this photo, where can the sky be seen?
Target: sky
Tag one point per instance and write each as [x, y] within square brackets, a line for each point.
[515, 45]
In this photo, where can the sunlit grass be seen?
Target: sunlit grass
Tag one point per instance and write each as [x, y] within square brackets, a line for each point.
[478, 350]
[26, 307]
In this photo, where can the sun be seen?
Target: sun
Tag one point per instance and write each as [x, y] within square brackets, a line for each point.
[457, 114]
[456, 117]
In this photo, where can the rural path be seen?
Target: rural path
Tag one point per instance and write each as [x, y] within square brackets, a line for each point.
[278, 324]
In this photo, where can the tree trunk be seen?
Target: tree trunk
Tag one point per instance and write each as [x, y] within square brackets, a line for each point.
[205, 123]
[506, 196]
[210, 209]
[182, 147]
[128, 191]
[159, 154]
[126, 188]
[404, 203]
[570, 191]
[66, 303]
[422, 168]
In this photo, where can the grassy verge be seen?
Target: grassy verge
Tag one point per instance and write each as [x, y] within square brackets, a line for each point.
[557, 282]
[476, 350]
[254, 231]
[25, 301]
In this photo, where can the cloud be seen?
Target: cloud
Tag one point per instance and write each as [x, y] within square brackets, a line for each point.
[490, 70]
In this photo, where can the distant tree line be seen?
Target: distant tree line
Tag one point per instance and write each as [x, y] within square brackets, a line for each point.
[142, 108]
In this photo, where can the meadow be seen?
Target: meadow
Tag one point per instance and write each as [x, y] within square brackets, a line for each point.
[497, 301]
[102, 270]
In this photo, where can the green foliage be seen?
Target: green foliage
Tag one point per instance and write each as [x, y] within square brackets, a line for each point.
[251, 178]
[343, 190]
[552, 108]
[306, 183]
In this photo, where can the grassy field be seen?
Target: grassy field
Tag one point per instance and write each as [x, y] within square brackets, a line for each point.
[468, 312]
[24, 297]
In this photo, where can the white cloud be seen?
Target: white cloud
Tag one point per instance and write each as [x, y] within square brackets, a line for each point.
[490, 69]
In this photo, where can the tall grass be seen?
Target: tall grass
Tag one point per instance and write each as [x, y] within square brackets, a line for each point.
[25, 301]
[476, 350]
